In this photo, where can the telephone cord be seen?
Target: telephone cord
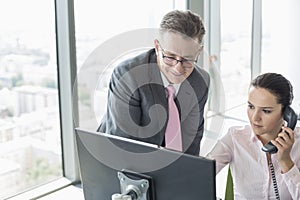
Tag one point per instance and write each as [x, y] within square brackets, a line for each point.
[274, 179]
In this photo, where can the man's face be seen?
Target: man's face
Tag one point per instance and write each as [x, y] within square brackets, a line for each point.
[172, 47]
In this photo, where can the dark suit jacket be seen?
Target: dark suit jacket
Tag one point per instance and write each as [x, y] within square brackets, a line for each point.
[138, 108]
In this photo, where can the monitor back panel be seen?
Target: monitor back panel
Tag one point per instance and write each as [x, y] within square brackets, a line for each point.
[174, 175]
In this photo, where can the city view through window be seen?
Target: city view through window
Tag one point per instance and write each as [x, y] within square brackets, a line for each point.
[30, 135]
[30, 145]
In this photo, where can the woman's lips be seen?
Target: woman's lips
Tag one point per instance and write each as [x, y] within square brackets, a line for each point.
[256, 125]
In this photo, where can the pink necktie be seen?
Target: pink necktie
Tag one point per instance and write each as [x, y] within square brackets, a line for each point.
[173, 130]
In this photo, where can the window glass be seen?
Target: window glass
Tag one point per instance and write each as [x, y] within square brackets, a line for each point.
[235, 69]
[280, 41]
[30, 143]
[97, 23]
[274, 49]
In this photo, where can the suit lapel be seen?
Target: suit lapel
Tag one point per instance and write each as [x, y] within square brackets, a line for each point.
[159, 94]
[186, 99]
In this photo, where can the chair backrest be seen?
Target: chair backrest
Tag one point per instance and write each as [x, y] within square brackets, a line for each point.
[229, 186]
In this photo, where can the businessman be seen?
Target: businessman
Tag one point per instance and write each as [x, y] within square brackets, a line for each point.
[159, 96]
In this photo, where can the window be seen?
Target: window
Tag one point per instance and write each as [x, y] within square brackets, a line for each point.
[280, 41]
[235, 52]
[30, 143]
[98, 25]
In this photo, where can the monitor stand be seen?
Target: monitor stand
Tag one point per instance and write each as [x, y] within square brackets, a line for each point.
[134, 186]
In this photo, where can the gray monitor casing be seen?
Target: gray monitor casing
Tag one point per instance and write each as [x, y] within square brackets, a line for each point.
[174, 175]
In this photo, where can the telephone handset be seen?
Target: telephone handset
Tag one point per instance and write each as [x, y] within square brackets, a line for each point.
[290, 117]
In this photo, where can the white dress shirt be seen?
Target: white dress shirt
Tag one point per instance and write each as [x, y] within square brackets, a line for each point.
[166, 83]
[251, 175]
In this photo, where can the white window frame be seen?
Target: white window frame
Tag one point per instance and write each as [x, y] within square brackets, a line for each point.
[67, 88]
[68, 99]
[211, 15]
[67, 71]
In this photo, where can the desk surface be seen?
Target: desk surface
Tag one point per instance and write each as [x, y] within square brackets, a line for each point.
[70, 192]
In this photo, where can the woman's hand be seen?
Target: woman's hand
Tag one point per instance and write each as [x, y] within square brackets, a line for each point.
[284, 143]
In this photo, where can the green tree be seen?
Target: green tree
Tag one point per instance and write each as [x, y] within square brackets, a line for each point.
[17, 80]
[41, 172]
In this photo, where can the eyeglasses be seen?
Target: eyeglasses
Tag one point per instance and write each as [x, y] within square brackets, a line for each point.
[172, 61]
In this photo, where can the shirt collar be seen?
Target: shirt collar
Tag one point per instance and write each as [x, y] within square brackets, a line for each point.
[253, 136]
[166, 83]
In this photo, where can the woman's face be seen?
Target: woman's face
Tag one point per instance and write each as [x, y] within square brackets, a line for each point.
[264, 113]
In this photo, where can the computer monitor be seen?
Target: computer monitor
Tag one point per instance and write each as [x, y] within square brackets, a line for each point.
[112, 165]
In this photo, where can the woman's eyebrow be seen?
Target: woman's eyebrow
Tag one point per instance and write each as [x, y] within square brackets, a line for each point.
[263, 107]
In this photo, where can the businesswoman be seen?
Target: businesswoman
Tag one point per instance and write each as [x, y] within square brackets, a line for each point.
[257, 174]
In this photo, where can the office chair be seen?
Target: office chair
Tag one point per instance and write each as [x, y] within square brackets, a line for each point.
[229, 186]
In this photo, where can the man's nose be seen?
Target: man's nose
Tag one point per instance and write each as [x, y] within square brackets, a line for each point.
[179, 67]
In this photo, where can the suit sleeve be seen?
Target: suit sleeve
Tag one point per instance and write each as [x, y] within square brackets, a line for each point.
[193, 110]
[118, 118]
[202, 104]
[129, 113]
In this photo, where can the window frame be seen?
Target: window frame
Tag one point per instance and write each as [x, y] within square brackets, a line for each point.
[67, 72]
[67, 89]
[213, 17]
